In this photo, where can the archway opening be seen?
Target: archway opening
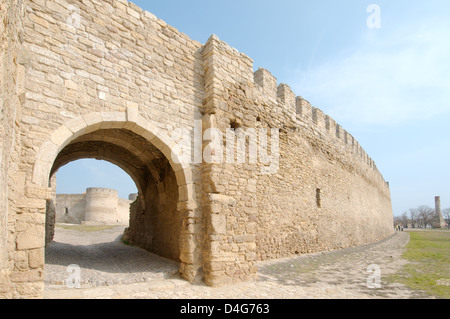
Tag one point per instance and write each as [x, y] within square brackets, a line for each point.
[154, 224]
[93, 192]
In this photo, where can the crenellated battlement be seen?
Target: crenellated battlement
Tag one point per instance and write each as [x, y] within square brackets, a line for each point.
[99, 190]
[303, 108]
[282, 94]
[267, 83]
[296, 111]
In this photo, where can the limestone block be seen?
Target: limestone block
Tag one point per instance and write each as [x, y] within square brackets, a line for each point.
[218, 224]
[183, 171]
[186, 192]
[93, 121]
[113, 120]
[35, 275]
[224, 199]
[267, 82]
[61, 135]
[189, 257]
[35, 191]
[33, 238]
[36, 258]
[243, 238]
[31, 203]
[318, 117]
[76, 125]
[69, 84]
[132, 112]
[287, 97]
[190, 207]
[303, 107]
[187, 244]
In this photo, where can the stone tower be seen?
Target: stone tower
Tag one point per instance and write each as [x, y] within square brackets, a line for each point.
[101, 205]
[439, 221]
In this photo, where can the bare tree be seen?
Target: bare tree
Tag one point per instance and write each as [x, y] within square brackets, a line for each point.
[413, 217]
[399, 221]
[422, 216]
[446, 213]
[404, 219]
[426, 215]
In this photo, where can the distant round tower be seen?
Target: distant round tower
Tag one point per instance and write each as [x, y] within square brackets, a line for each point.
[439, 221]
[101, 206]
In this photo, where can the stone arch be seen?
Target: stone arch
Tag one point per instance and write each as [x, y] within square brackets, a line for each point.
[91, 122]
[130, 121]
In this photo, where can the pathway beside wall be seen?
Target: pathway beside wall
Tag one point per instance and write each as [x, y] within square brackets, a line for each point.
[335, 274]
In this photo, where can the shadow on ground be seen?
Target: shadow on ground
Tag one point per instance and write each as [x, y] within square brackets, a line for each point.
[102, 263]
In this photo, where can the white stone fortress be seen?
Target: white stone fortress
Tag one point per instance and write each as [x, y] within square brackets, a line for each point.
[95, 206]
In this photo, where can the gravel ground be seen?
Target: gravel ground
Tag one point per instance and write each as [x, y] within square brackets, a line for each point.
[104, 260]
[111, 269]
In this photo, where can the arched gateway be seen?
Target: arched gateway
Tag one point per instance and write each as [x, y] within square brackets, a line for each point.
[159, 217]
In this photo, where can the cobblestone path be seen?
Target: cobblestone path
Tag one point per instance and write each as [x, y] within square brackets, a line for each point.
[111, 269]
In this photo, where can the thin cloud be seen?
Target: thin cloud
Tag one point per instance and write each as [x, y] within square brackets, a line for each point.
[385, 81]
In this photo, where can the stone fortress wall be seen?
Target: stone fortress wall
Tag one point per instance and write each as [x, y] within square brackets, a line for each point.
[96, 206]
[108, 80]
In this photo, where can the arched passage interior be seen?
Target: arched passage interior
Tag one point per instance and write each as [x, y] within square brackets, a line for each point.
[154, 224]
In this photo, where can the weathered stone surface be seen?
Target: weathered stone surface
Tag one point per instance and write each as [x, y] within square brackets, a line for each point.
[32, 238]
[110, 81]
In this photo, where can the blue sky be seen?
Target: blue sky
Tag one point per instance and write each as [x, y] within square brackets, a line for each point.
[388, 86]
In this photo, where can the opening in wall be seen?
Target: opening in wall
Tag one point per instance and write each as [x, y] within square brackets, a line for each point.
[318, 200]
[234, 124]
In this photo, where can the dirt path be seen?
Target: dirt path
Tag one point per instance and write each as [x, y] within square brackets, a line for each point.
[111, 269]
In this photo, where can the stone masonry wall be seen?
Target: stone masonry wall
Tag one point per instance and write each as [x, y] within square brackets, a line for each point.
[157, 227]
[326, 193]
[95, 72]
[83, 58]
[11, 98]
[75, 208]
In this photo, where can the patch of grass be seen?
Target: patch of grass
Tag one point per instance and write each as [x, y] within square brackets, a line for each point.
[86, 228]
[429, 270]
[126, 242]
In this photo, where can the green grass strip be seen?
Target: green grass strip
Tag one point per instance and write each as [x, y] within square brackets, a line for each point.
[86, 228]
[429, 270]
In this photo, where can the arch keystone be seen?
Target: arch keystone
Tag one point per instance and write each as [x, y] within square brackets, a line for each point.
[93, 121]
[113, 120]
[76, 125]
